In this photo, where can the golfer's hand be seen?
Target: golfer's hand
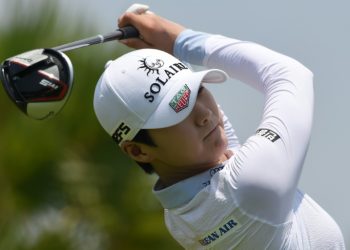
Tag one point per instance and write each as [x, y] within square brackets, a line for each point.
[155, 31]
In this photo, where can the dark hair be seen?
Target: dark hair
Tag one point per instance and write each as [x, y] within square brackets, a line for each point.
[143, 137]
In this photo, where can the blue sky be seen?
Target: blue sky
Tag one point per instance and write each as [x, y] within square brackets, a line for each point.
[314, 32]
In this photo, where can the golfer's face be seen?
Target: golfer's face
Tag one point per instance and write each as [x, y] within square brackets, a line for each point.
[196, 142]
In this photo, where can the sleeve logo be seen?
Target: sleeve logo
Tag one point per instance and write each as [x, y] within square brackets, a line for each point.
[268, 134]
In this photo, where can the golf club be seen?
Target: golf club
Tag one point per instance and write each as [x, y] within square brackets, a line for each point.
[40, 81]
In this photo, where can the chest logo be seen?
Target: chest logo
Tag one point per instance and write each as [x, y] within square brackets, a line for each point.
[225, 229]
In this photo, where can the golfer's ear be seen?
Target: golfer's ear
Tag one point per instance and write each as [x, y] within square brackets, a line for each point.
[137, 151]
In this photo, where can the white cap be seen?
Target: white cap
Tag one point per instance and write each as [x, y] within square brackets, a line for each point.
[147, 89]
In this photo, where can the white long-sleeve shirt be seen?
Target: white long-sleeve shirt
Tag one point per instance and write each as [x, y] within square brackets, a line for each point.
[252, 200]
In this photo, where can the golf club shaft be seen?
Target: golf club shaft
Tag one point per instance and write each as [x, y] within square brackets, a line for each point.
[122, 33]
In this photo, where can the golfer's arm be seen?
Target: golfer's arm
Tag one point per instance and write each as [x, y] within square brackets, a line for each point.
[267, 171]
[286, 84]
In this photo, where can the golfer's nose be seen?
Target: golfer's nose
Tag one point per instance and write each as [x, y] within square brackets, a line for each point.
[202, 114]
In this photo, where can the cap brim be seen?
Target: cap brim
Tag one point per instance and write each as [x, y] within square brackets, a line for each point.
[165, 115]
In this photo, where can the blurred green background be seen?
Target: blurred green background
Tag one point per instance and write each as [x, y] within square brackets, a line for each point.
[63, 183]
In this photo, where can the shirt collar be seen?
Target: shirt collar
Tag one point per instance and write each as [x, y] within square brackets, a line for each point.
[183, 191]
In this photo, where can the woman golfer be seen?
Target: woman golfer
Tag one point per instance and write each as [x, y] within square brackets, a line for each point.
[216, 193]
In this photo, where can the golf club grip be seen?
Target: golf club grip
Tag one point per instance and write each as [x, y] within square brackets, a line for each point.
[127, 32]
[121, 33]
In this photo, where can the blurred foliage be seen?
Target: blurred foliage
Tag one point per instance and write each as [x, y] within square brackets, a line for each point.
[63, 182]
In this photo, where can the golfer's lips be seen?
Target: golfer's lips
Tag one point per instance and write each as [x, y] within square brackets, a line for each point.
[211, 131]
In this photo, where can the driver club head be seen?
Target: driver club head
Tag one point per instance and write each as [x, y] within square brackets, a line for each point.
[39, 81]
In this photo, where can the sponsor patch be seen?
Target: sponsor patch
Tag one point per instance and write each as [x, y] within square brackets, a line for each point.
[268, 134]
[226, 228]
[121, 132]
[181, 99]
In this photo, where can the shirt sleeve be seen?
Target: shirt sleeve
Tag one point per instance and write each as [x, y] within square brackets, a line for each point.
[266, 169]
